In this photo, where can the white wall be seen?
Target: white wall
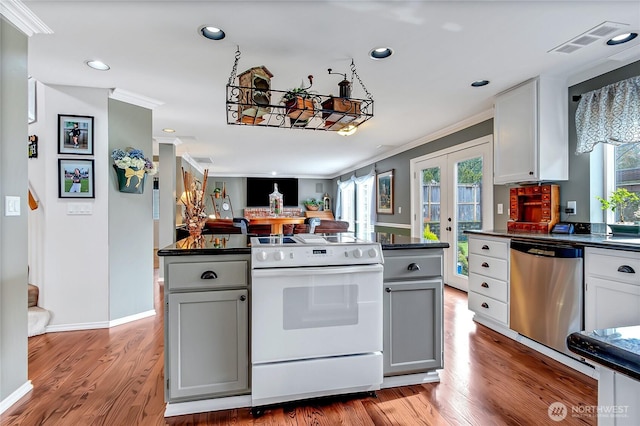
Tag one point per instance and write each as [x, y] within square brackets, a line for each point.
[69, 254]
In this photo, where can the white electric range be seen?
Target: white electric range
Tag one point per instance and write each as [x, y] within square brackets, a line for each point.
[316, 320]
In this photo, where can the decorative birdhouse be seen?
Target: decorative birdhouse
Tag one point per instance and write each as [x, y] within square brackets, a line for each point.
[255, 94]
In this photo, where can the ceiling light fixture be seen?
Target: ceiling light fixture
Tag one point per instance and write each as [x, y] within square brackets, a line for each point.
[348, 130]
[622, 38]
[168, 130]
[212, 33]
[479, 83]
[97, 65]
[380, 53]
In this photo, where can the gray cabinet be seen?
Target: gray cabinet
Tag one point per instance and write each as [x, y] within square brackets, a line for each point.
[206, 328]
[413, 311]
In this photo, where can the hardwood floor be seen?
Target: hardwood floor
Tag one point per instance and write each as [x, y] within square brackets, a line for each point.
[115, 377]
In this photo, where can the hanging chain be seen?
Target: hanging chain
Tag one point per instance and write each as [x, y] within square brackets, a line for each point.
[234, 70]
[355, 73]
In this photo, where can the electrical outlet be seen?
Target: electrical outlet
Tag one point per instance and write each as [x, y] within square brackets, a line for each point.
[500, 208]
[571, 207]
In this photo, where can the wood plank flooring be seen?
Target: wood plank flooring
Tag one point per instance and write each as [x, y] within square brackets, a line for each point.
[115, 377]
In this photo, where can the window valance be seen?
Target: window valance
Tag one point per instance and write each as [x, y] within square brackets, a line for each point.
[609, 115]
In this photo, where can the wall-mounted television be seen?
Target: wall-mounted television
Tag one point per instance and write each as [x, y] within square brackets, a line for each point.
[258, 190]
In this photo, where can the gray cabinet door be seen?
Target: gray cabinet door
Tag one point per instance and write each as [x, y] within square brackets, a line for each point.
[412, 326]
[208, 344]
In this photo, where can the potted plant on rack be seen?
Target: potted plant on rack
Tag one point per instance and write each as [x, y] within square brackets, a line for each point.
[300, 104]
[619, 201]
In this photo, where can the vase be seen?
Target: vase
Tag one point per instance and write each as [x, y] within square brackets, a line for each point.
[195, 226]
[130, 180]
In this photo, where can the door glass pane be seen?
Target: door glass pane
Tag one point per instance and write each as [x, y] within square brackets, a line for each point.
[431, 203]
[468, 207]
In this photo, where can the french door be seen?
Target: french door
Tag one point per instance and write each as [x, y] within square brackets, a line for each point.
[452, 191]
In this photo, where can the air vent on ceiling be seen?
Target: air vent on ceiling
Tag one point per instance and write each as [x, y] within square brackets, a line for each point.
[604, 30]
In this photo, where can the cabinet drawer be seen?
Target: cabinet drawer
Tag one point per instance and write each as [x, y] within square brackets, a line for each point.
[489, 247]
[194, 275]
[409, 265]
[488, 307]
[490, 287]
[488, 266]
[610, 264]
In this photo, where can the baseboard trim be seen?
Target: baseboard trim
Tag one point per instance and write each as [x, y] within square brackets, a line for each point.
[130, 318]
[100, 324]
[202, 406]
[582, 367]
[15, 396]
[410, 379]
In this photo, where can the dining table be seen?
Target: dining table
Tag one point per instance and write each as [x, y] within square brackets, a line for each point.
[277, 222]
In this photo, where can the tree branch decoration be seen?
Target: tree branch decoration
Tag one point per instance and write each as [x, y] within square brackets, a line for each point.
[193, 200]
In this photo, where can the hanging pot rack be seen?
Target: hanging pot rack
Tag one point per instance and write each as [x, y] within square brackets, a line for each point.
[324, 113]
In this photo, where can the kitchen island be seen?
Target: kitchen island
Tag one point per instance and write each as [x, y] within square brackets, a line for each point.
[208, 296]
[617, 352]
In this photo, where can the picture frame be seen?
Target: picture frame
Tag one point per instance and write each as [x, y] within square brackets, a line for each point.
[82, 186]
[384, 192]
[75, 134]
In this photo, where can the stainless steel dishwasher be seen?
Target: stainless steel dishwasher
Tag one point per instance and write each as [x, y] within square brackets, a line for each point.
[546, 297]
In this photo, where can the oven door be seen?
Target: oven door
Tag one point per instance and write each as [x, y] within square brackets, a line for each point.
[309, 312]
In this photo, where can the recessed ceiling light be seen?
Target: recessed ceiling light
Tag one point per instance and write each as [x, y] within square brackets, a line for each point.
[380, 53]
[212, 33]
[622, 38]
[97, 65]
[168, 130]
[480, 83]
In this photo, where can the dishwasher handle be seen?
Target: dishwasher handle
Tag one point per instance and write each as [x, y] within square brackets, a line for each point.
[547, 249]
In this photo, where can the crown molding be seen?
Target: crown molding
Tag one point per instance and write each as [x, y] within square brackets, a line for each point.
[172, 141]
[134, 98]
[461, 125]
[189, 159]
[23, 18]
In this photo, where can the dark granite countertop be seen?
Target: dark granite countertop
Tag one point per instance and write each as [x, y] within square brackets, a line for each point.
[631, 243]
[213, 244]
[614, 348]
[209, 244]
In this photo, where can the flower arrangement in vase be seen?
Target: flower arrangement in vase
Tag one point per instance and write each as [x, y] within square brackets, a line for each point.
[193, 200]
[132, 167]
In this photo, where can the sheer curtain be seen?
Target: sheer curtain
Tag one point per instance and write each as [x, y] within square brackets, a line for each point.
[355, 202]
[609, 115]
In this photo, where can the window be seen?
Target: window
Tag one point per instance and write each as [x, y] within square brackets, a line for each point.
[623, 172]
[356, 203]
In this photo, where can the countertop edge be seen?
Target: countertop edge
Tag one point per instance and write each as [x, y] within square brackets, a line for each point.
[610, 356]
[587, 240]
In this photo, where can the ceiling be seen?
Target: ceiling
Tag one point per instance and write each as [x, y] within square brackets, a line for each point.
[154, 50]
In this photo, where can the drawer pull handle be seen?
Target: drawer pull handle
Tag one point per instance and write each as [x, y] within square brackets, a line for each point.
[243, 298]
[484, 305]
[485, 265]
[485, 247]
[208, 275]
[485, 285]
[626, 269]
[388, 290]
[413, 267]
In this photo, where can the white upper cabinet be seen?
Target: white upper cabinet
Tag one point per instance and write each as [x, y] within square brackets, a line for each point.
[530, 132]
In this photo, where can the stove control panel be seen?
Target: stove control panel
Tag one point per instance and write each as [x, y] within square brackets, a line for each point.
[305, 255]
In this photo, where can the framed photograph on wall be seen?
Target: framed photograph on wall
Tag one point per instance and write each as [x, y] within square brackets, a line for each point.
[384, 192]
[75, 134]
[75, 178]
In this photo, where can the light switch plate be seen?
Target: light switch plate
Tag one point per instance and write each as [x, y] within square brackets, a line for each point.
[500, 208]
[11, 206]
